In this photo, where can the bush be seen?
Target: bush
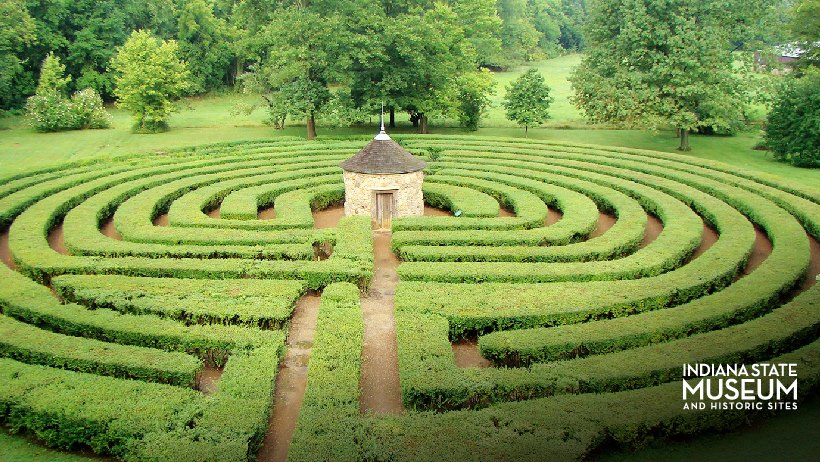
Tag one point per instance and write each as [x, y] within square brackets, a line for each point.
[793, 126]
[50, 112]
[87, 107]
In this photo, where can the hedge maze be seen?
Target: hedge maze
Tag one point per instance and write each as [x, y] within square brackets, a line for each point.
[127, 278]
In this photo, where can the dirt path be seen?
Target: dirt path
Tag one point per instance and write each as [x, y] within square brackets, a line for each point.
[208, 379]
[605, 221]
[654, 227]
[553, 216]
[108, 229]
[161, 220]
[329, 217]
[56, 240]
[707, 239]
[436, 212]
[291, 381]
[268, 213]
[467, 354]
[5, 251]
[381, 390]
[762, 250]
[814, 267]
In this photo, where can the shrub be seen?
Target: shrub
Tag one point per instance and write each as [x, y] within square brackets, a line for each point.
[50, 112]
[87, 106]
[793, 126]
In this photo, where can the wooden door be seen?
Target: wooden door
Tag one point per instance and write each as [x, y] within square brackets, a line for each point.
[384, 210]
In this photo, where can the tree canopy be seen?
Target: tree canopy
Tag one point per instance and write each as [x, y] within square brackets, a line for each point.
[652, 64]
[149, 78]
[793, 125]
[528, 99]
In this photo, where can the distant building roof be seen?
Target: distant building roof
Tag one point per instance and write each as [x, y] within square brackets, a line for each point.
[793, 49]
[383, 156]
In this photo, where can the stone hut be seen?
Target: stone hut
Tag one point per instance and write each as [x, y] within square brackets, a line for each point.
[383, 181]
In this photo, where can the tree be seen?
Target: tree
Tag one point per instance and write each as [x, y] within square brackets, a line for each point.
[793, 125]
[150, 77]
[528, 99]
[547, 16]
[428, 53]
[805, 26]
[474, 93]
[204, 44]
[654, 64]
[519, 36]
[302, 53]
[482, 28]
[52, 78]
[49, 110]
[16, 31]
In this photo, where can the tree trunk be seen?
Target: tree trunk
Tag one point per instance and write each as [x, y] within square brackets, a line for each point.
[677, 133]
[423, 129]
[392, 117]
[684, 140]
[311, 127]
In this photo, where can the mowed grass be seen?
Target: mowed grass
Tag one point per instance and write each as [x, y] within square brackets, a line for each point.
[211, 119]
[17, 448]
[792, 435]
[555, 72]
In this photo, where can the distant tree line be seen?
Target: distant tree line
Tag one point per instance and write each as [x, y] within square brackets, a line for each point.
[223, 39]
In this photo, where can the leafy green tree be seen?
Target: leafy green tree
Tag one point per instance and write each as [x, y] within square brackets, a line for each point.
[49, 110]
[575, 16]
[204, 43]
[302, 53]
[793, 125]
[150, 77]
[16, 31]
[519, 37]
[52, 77]
[474, 93]
[482, 28]
[805, 26]
[427, 54]
[547, 16]
[528, 99]
[653, 64]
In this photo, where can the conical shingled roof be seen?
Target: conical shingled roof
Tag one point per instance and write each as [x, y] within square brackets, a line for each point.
[383, 156]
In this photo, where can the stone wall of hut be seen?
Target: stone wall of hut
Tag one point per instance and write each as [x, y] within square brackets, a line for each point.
[360, 188]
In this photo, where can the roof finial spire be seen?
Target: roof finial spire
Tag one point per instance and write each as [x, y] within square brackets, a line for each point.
[382, 134]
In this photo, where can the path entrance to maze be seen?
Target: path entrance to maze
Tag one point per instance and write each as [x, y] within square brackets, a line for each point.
[214, 304]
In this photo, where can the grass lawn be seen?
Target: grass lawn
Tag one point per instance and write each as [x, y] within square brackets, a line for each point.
[16, 448]
[209, 119]
[793, 435]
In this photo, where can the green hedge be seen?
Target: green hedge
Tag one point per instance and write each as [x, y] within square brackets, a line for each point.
[470, 202]
[430, 379]
[529, 209]
[69, 409]
[266, 304]
[566, 427]
[25, 343]
[32, 303]
[232, 422]
[329, 425]
[189, 210]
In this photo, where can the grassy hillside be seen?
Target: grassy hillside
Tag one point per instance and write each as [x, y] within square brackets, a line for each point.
[209, 119]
